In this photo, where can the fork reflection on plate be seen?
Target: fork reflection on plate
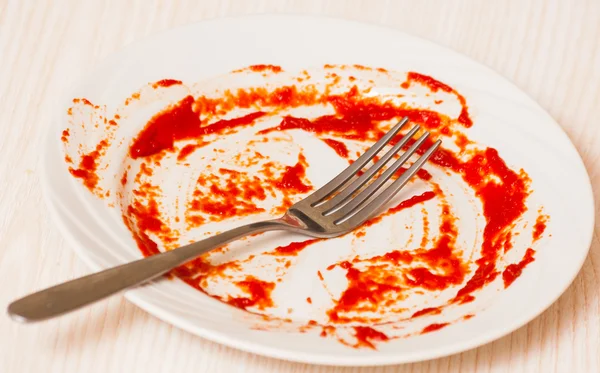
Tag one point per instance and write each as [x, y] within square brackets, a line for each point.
[337, 208]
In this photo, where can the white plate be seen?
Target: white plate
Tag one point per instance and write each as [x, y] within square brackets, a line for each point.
[505, 118]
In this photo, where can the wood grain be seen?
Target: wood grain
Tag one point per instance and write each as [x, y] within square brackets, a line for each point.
[550, 49]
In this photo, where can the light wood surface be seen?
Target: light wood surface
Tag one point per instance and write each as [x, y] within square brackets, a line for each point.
[550, 49]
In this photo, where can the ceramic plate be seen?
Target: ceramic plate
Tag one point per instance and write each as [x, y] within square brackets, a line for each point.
[220, 123]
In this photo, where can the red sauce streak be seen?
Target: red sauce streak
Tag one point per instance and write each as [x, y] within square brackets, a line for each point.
[366, 336]
[144, 170]
[423, 174]
[166, 83]
[187, 150]
[358, 117]
[327, 331]
[145, 244]
[261, 68]
[539, 227]
[396, 257]
[196, 271]
[361, 67]
[124, 178]
[372, 287]
[147, 217]
[412, 201]
[427, 311]
[229, 194]
[513, 271]
[503, 203]
[88, 165]
[294, 248]
[467, 299]
[436, 85]
[365, 291]
[425, 238]
[292, 179]
[234, 193]
[65, 135]
[442, 257]
[85, 101]
[87, 170]
[339, 147]
[180, 122]
[259, 294]
[433, 327]
[309, 301]
[508, 242]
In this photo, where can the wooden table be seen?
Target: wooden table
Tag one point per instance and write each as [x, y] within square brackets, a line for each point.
[550, 49]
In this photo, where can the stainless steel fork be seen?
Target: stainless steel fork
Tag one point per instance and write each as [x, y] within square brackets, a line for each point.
[323, 214]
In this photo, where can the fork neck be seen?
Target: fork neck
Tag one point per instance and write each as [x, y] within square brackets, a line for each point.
[283, 223]
[286, 222]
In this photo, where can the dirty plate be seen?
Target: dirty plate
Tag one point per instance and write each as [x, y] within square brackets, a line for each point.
[220, 123]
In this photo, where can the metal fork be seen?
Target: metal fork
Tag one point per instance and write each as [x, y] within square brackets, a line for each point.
[322, 214]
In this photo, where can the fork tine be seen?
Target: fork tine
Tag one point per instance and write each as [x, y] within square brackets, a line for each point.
[359, 216]
[337, 202]
[363, 196]
[342, 178]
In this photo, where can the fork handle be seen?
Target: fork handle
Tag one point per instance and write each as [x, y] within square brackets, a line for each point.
[71, 295]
